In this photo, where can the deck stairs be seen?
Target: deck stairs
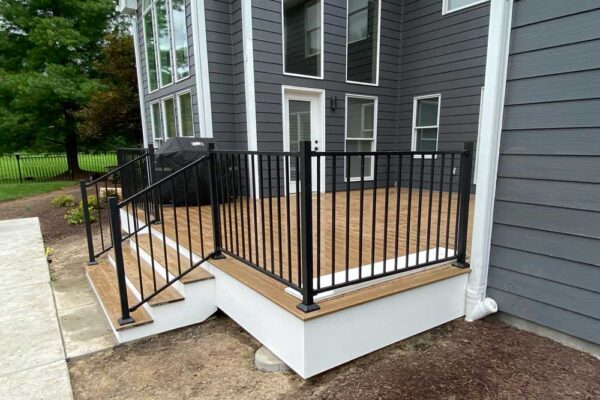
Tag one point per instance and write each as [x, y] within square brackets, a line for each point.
[187, 301]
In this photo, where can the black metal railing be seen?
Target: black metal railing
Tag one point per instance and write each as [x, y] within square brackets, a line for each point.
[321, 221]
[130, 176]
[174, 213]
[314, 221]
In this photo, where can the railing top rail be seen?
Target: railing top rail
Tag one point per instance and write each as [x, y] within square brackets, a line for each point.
[160, 182]
[101, 178]
[390, 153]
[257, 153]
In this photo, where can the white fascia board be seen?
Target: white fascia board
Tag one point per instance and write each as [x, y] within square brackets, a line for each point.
[492, 111]
[201, 68]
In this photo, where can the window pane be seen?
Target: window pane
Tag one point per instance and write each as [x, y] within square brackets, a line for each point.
[170, 128]
[147, 3]
[302, 40]
[360, 118]
[186, 115]
[358, 26]
[454, 4]
[363, 42]
[164, 43]
[355, 162]
[182, 60]
[427, 139]
[355, 5]
[150, 43]
[156, 125]
[427, 112]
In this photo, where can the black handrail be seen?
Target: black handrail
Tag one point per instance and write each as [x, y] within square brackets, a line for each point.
[118, 169]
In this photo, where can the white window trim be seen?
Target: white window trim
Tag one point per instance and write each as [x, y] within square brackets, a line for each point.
[413, 145]
[164, 117]
[322, 72]
[445, 9]
[179, 119]
[378, 49]
[374, 140]
[199, 45]
[152, 118]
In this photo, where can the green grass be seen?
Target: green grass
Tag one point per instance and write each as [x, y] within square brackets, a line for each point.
[11, 191]
[40, 166]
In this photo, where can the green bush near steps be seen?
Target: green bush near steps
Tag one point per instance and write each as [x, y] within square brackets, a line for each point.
[75, 215]
[63, 200]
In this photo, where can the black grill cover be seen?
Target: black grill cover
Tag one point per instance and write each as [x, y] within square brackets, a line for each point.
[172, 156]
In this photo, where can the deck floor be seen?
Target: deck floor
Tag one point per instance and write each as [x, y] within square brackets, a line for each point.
[261, 232]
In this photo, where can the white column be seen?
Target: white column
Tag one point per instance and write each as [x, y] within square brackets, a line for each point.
[488, 155]
[138, 68]
[201, 68]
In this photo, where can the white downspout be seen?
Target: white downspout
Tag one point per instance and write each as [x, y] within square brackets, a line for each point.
[478, 306]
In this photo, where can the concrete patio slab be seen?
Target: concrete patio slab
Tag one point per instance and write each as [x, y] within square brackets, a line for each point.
[50, 381]
[32, 356]
[85, 330]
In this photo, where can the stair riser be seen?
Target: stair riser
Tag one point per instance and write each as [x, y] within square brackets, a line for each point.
[184, 251]
[160, 269]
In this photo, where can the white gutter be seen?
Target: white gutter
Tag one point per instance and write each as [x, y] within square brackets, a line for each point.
[478, 306]
[138, 67]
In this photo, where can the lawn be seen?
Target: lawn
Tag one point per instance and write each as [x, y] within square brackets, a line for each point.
[36, 167]
[11, 191]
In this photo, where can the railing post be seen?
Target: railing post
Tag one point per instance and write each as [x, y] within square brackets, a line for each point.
[88, 223]
[152, 178]
[466, 168]
[214, 202]
[115, 224]
[308, 303]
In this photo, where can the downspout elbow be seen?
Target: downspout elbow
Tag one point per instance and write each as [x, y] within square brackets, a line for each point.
[479, 306]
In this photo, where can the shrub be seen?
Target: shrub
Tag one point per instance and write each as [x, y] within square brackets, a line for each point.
[75, 215]
[92, 203]
[64, 200]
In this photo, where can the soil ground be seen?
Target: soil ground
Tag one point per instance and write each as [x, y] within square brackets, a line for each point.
[481, 360]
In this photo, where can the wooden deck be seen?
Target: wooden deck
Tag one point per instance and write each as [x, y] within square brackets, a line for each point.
[254, 229]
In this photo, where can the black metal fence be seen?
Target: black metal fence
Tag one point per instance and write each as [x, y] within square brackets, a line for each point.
[314, 221]
[24, 168]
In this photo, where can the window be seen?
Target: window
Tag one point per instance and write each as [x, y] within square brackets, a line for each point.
[302, 37]
[361, 127]
[166, 42]
[186, 114]
[157, 132]
[426, 123]
[170, 127]
[362, 37]
[180, 40]
[455, 5]
[150, 44]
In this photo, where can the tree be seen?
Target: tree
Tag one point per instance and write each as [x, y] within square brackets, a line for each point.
[112, 116]
[48, 53]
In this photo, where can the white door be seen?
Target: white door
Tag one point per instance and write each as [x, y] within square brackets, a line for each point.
[304, 119]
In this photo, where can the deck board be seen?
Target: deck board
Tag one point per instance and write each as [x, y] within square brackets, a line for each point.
[242, 229]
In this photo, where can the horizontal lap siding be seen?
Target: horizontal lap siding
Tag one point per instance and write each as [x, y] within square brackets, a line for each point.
[545, 259]
[443, 54]
[188, 84]
[226, 72]
[269, 73]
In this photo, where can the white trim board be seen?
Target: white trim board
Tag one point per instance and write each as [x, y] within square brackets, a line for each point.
[140, 79]
[201, 69]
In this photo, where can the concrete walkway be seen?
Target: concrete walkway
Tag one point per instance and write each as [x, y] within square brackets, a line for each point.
[32, 355]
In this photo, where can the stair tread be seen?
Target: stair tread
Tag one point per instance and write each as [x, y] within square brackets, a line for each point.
[169, 295]
[104, 279]
[196, 275]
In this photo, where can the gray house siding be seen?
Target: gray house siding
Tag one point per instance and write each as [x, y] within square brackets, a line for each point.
[545, 257]
[269, 73]
[188, 84]
[443, 54]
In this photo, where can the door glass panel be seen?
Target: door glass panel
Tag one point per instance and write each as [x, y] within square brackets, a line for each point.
[299, 128]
